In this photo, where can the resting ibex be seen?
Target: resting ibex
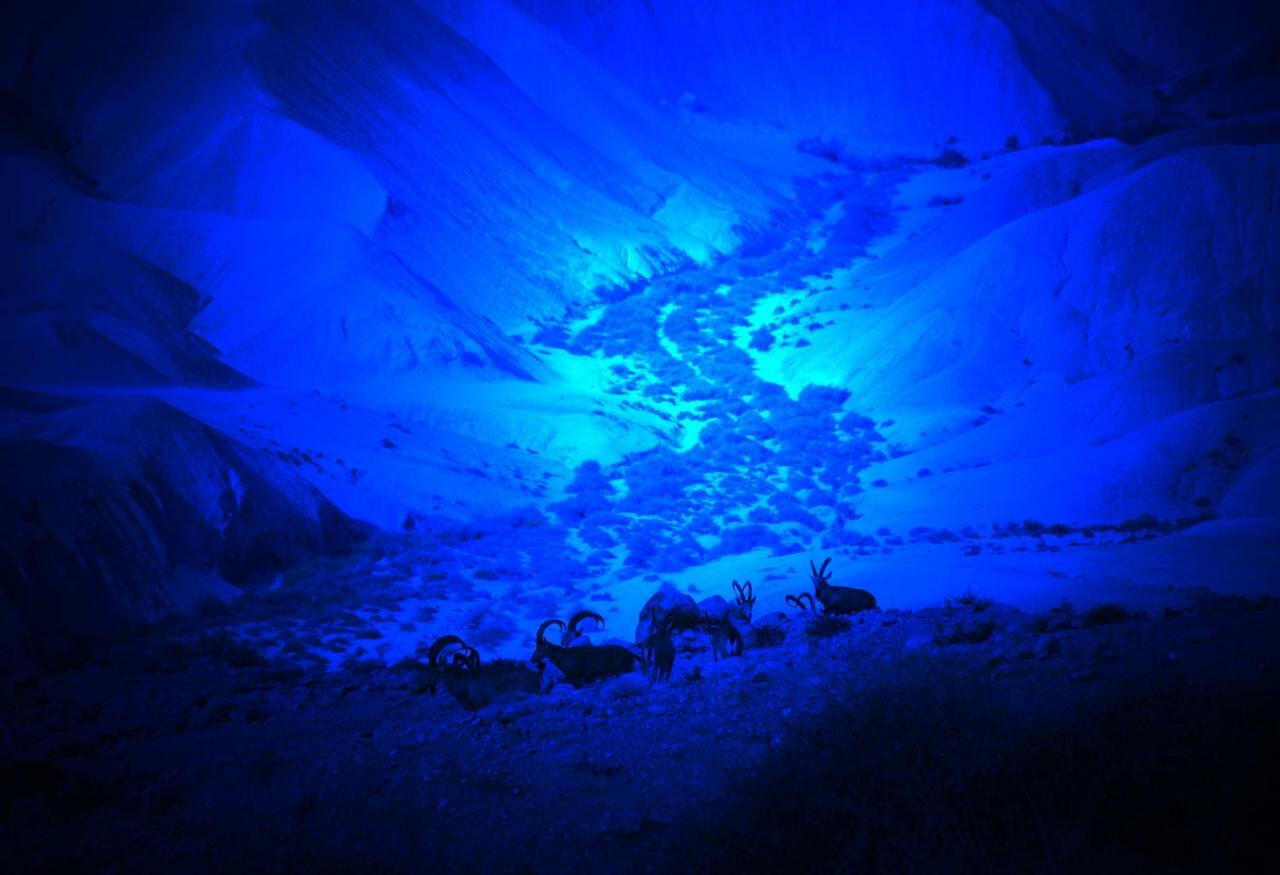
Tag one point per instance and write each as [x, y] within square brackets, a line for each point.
[799, 602]
[582, 664]
[475, 685]
[838, 599]
[573, 636]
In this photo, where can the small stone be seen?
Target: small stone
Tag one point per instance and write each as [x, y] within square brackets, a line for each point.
[1086, 675]
[918, 641]
[1047, 647]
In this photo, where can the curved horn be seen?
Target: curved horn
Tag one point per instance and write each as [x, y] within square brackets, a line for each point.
[737, 590]
[749, 595]
[440, 644]
[813, 568]
[542, 630]
[584, 615]
[825, 562]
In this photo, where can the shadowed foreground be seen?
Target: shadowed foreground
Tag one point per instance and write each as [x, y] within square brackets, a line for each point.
[967, 738]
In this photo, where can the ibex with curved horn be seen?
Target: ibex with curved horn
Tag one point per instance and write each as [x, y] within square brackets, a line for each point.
[803, 602]
[575, 637]
[838, 599]
[475, 685]
[582, 664]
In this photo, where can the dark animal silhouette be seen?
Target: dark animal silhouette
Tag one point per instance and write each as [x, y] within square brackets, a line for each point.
[658, 649]
[838, 599]
[475, 685]
[582, 664]
[726, 640]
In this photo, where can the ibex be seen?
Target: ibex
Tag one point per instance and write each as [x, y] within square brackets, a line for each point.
[799, 602]
[658, 649]
[582, 664]
[475, 685]
[575, 637]
[716, 610]
[838, 599]
[726, 640]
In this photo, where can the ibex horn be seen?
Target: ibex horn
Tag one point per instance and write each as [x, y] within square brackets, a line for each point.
[441, 644]
[542, 630]
[584, 615]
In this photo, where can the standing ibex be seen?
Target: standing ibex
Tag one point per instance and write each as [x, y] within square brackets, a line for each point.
[838, 599]
[726, 640]
[582, 664]
[475, 685]
[658, 649]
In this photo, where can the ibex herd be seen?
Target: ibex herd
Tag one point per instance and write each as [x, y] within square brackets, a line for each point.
[475, 684]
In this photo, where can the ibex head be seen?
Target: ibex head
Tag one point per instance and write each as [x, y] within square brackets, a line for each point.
[542, 646]
[462, 660]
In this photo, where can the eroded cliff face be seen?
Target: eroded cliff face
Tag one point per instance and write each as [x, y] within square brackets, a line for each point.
[122, 510]
[424, 260]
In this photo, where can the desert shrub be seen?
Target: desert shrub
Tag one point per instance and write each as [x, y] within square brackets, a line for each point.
[820, 498]
[963, 632]
[952, 158]
[1143, 523]
[769, 636]
[1106, 614]
[762, 339]
[597, 538]
[796, 514]
[552, 335]
[826, 148]
[745, 538]
[826, 626]
[223, 646]
[969, 600]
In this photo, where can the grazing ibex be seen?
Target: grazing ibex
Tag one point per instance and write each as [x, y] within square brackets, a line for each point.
[726, 640]
[575, 637]
[799, 602]
[475, 685]
[582, 664]
[838, 599]
[658, 649]
[716, 610]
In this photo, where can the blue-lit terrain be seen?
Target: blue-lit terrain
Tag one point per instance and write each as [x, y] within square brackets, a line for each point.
[344, 345]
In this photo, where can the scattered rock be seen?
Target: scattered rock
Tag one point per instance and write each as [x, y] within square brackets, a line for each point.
[1047, 647]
